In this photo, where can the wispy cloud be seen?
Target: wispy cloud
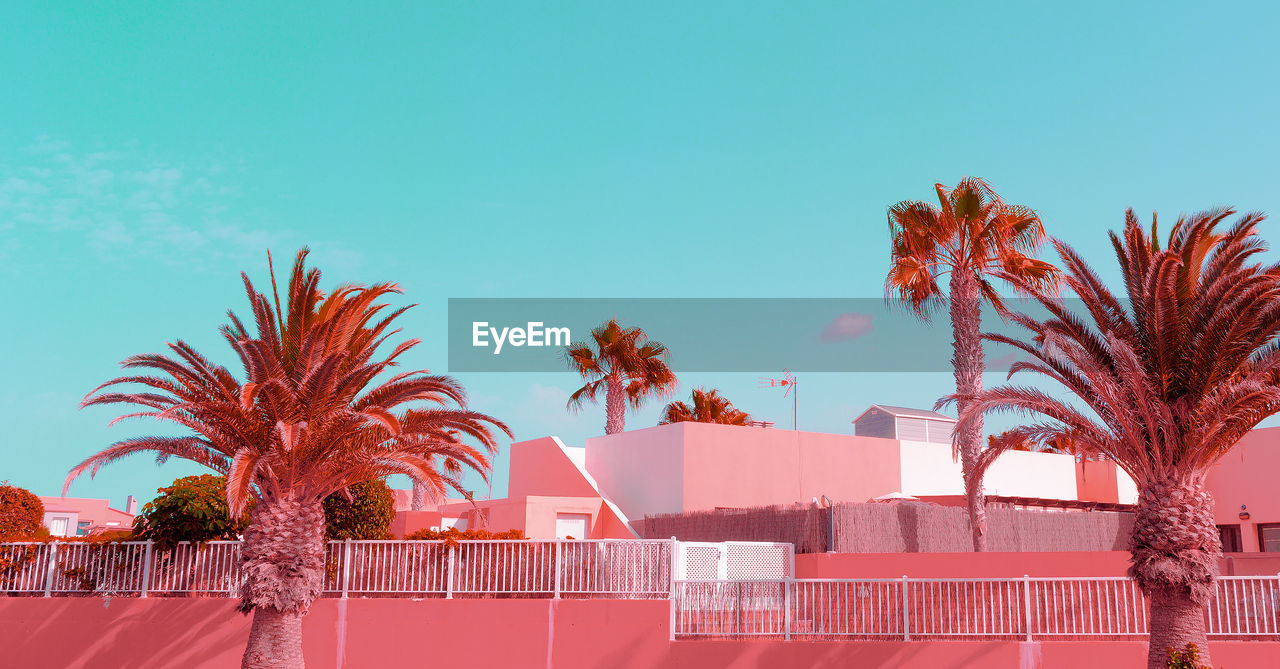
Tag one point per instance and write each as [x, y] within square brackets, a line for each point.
[846, 327]
[124, 205]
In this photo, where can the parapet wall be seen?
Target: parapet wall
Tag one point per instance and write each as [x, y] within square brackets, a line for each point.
[192, 633]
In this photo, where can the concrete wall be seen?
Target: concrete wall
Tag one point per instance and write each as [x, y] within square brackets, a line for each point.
[642, 471]
[727, 466]
[1247, 475]
[92, 633]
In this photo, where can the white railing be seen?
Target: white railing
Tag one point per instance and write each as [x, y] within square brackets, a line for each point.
[906, 608]
[571, 568]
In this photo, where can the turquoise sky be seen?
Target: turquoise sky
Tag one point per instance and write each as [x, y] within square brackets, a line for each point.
[149, 154]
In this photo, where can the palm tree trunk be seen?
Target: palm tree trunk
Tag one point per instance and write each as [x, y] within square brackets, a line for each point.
[968, 364]
[1175, 550]
[283, 565]
[615, 402]
[275, 640]
[419, 496]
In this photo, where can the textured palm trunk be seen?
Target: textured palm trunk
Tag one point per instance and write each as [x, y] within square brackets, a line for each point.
[419, 496]
[615, 406]
[1175, 550]
[968, 363]
[283, 566]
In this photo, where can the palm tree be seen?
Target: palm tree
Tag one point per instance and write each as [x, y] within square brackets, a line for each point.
[709, 406]
[624, 364]
[971, 235]
[1171, 381]
[312, 417]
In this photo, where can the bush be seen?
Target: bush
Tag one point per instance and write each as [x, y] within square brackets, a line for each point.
[21, 513]
[1185, 659]
[453, 535]
[366, 516]
[193, 508]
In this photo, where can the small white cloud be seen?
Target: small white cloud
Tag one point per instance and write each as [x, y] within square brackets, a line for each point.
[846, 327]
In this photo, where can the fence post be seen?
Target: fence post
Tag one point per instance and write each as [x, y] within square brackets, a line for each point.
[448, 577]
[906, 610]
[786, 608]
[557, 566]
[346, 567]
[53, 562]
[146, 568]
[1026, 604]
[672, 566]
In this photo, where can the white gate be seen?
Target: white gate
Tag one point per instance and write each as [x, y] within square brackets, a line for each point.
[734, 561]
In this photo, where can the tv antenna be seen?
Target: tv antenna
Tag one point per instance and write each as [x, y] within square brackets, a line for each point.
[787, 381]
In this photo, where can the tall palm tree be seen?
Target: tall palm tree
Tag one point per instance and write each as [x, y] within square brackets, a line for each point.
[1169, 382]
[312, 417]
[971, 235]
[625, 365]
[709, 406]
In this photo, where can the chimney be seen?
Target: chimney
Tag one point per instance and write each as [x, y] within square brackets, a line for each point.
[131, 506]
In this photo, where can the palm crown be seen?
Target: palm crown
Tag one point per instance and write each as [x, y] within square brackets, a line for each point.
[625, 365]
[310, 418]
[709, 406]
[972, 230]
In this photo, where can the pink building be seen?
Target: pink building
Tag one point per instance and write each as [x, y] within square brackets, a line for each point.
[557, 491]
[595, 492]
[79, 516]
[550, 495]
[1247, 507]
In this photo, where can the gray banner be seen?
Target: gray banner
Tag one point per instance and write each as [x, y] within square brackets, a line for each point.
[721, 334]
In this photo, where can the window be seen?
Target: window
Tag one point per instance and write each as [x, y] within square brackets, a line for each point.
[82, 528]
[58, 527]
[572, 525]
[1269, 537]
[1230, 536]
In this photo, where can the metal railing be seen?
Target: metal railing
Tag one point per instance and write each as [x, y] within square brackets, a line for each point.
[991, 608]
[570, 568]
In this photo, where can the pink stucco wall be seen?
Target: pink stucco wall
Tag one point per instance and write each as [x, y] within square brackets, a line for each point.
[1246, 475]
[539, 467]
[92, 633]
[744, 466]
[961, 565]
[697, 467]
[642, 471]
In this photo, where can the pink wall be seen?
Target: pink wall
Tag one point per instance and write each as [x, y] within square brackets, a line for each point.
[1096, 481]
[540, 467]
[642, 471]
[694, 466]
[697, 467]
[408, 522]
[961, 565]
[538, 633]
[1246, 475]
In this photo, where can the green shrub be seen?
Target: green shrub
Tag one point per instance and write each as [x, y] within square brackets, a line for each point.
[1189, 658]
[366, 516]
[21, 513]
[193, 508]
[453, 534]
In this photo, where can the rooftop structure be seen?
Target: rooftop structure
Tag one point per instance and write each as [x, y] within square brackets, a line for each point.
[891, 422]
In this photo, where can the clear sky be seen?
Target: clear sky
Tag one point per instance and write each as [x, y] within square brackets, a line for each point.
[150, 153]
